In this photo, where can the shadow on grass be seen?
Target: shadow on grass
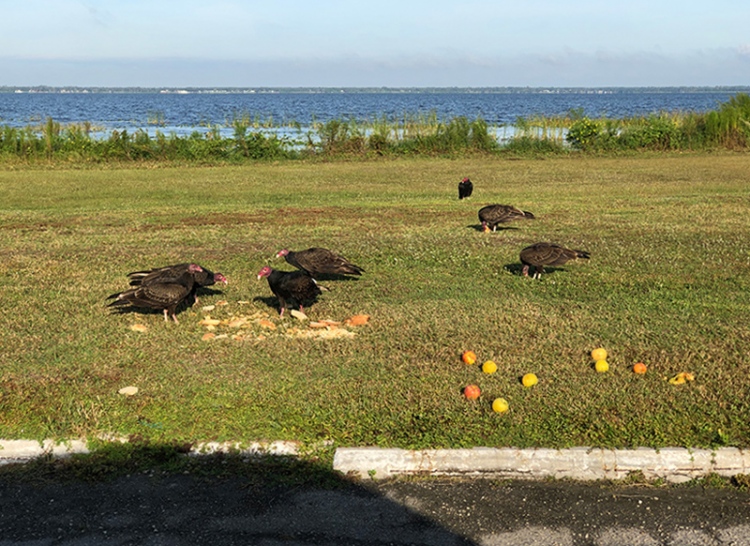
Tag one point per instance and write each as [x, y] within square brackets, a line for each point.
[272, 301]
[478, 227]
[136, 310]
[144, 311]
[158, 493]
[517, 269]
[205, 291]
[127, 309]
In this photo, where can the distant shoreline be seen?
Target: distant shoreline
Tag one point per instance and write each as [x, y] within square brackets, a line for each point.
[359, 90]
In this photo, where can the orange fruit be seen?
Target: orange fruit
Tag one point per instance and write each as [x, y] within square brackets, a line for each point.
[639, 368]
[469, 357]
[529, 380]
[601, 366]
[357, 320]
[599, 354]
[472, 392]
[489, 367]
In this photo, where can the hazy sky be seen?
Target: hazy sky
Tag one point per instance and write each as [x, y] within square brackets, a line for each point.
[350, 43]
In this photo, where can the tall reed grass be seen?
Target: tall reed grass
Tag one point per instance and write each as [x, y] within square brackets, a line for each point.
[254, 138]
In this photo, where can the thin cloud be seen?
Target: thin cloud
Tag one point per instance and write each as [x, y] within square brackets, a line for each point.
[98, 16]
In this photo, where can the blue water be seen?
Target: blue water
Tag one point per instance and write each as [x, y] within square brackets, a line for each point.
[183, 113]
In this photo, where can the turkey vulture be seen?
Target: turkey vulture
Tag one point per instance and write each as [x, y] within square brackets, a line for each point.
[492, 215]
[297, 286]
[541, 254]
[204, 277]
[165, 294]
[319, 261]
[465, 187]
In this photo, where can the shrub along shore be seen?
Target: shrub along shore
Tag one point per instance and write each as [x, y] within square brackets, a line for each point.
[727, 127]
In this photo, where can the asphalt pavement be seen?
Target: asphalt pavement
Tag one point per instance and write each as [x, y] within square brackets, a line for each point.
[161, 508]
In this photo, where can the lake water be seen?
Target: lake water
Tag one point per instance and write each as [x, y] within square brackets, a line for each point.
[182, 113]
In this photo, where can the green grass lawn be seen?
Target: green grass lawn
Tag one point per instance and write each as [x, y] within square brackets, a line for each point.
[667, 284]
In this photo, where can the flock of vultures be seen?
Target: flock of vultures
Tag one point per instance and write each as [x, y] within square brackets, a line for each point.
[168, 288]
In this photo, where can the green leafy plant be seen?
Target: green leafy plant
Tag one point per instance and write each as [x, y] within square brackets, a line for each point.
[583, 133]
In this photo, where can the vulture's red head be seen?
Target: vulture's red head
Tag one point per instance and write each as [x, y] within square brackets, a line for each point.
[218, 277]
[281, 253]
[194, 268]
[264, 272]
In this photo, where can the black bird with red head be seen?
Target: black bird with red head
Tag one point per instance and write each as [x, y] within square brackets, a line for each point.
[165, 293]
[492, 215]
[541, 254]
[465, 187]
[203, 278]
[296, 286]
[319, 261]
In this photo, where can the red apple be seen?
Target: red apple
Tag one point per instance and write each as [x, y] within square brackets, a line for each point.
[472, 392]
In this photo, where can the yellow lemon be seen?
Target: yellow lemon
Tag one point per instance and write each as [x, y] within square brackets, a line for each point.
[678, 379]
[681, 378]
[601, 366]
[599, 354]
[529, 380]
[489, 367]
[500, 405]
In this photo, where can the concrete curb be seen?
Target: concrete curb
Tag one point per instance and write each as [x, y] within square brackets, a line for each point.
[22, 451]
[580, 463]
